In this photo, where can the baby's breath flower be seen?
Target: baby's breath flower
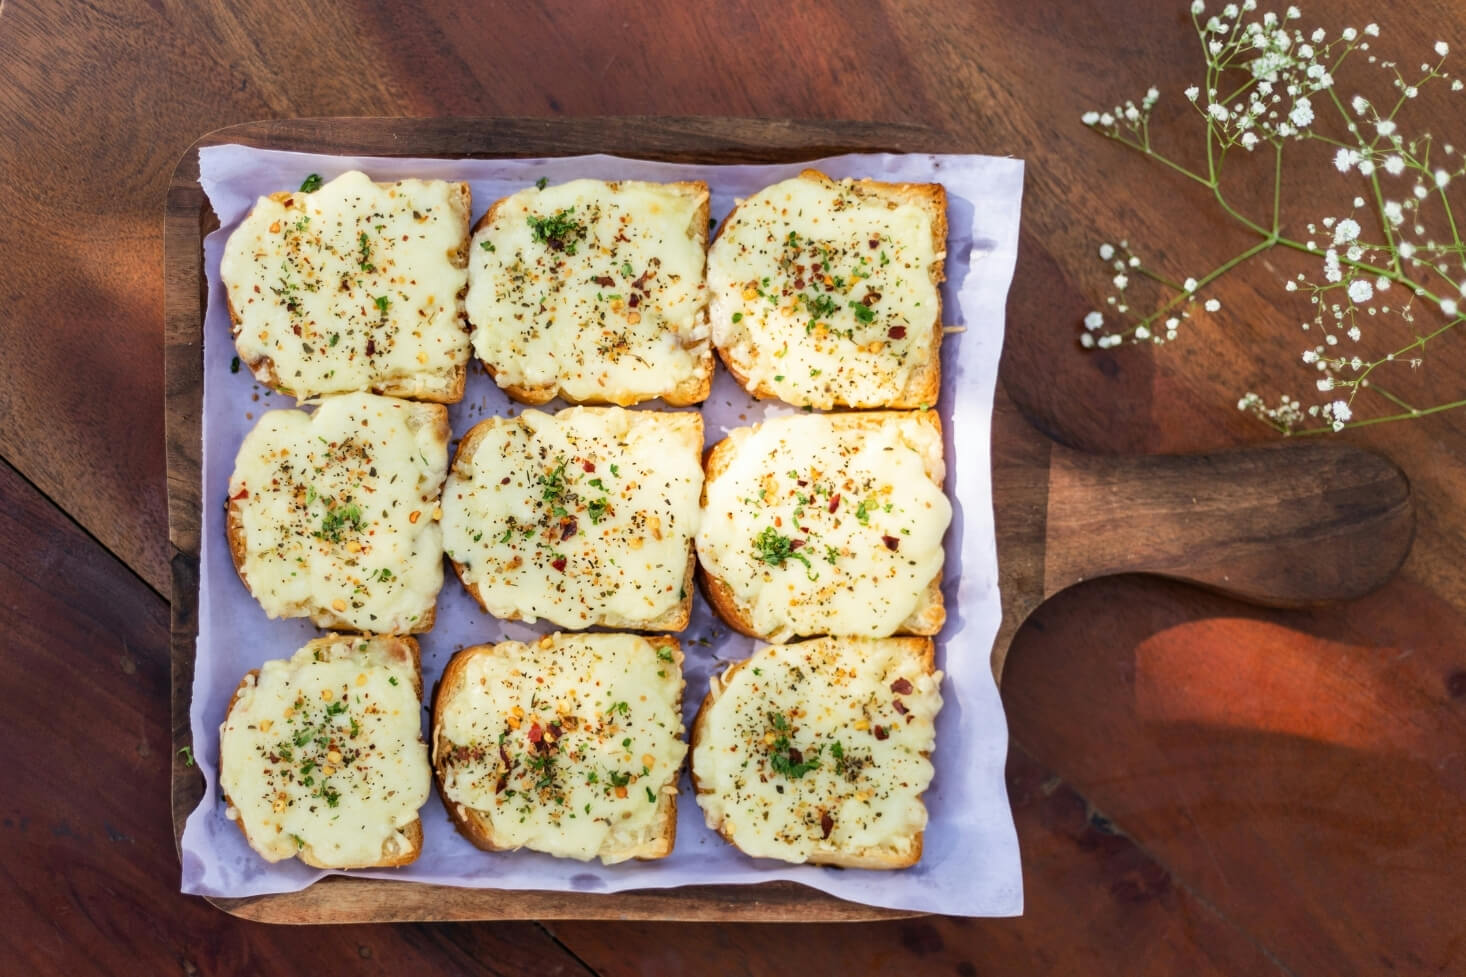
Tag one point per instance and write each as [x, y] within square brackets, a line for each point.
[1442, 178]
[1442, 48]
[1212, 305]
[1093, 321]
[1346, 159]
[1448, 306]
[1192, 93]
[1189, 285]
[1394, 165]
[1106, 252]
[1360, 291]
[1089, 118]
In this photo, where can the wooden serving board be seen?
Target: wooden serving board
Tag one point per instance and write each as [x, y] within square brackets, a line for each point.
[1292, 523]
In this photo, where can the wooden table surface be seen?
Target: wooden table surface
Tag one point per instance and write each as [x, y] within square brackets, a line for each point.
[1200, 786]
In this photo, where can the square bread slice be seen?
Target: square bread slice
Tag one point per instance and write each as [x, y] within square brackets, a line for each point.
[594, 291]
[353, 286]
[333, 515]
[824, 293]
[820, 751]
[584, 517]
[570, 745]
[321, 755]
[827, 524]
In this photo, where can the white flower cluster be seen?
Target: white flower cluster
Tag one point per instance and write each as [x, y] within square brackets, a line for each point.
[1270, 82]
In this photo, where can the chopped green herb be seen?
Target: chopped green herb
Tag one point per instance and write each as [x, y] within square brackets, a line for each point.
[821, 307]
[650, 797]
[664, 653]
[626, 268]
[557, 231]
[597, 510]
[234, 365]
[831, 554]
[774, 548]
[382, 302]
[336, 521]
[364, 259]
[187, 754]
[862, 513]
[335, 338]
[486, 245]
[541, 183]
[863, 312]
[392, 679]
[738, 317]
[311, 183]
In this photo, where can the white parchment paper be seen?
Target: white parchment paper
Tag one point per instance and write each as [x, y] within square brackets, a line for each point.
[970, 863]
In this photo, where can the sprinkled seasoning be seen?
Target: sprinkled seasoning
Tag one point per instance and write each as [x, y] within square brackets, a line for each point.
[790, 759]
[582, 517]
[595, 288]
[825, 293]
[351, 285]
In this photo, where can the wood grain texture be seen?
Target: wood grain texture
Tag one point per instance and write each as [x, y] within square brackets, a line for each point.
[91, 882]
[1314, 864]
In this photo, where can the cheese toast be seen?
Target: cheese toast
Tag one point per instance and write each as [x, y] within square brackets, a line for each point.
[334, 515]
[321, 755]
[824, 293]
[820, 751]
[569, 745]
[584, 517]
[826, 524]
[355, 286]
[594, 291]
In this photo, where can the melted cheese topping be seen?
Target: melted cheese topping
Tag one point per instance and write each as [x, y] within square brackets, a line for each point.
[582, 517]
[595, 288]
[821, 527]
[324, 751]
[356, 286]
[823, 294]
[339, 510]
[820, 748]
[567, 745]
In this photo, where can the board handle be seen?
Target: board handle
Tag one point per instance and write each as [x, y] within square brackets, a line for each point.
[1287, 524]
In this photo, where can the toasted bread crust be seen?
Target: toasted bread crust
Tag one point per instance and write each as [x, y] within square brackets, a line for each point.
[476, 825]
[449, 385]
[675, 618]
[929, 616]
[924, 386]
[324, 617]
[688, 392]
[307, 854]
[919, 647]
